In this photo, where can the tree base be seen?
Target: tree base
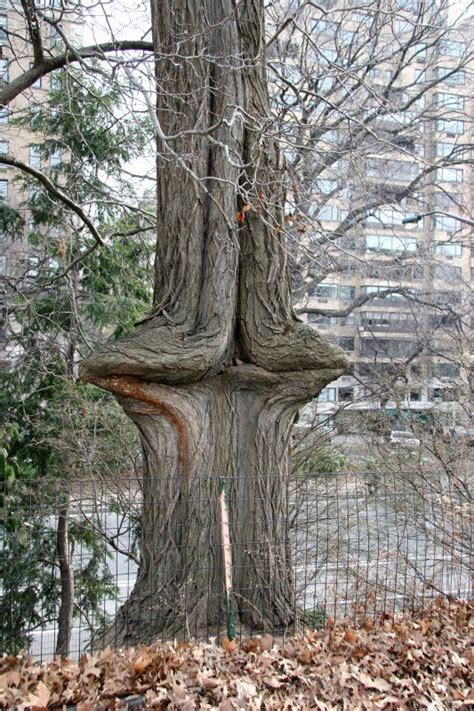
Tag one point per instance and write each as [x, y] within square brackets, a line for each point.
[235, 426]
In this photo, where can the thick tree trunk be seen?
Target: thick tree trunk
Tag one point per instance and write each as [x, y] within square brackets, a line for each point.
[214, 376]
[236, 426]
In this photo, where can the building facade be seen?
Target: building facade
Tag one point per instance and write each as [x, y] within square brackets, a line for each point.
[409, 262]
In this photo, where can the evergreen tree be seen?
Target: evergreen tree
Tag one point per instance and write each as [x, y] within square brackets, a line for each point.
[74, 294]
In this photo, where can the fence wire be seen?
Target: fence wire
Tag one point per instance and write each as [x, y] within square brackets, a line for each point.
[353, 545]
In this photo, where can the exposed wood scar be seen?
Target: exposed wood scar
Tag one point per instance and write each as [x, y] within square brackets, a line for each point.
[129, 387]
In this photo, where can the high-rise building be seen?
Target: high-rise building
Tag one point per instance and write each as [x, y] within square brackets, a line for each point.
[406, 265]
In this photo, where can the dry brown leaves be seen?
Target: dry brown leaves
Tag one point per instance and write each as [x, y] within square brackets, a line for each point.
[417, 662]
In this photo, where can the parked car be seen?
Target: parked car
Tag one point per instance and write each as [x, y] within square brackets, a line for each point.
[404, 438]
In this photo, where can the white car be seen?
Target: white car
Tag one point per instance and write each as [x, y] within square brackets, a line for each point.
[404, 437]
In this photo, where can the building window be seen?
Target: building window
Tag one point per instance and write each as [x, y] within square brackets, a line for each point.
[55, 158]
[446, 272]
[329, 54]
[345, 394]
[4, 113]
[38, 83]
[35, 156]
[32, 265]
[347, 344]
[445, 370]
[54, 35]
[415, 396]
[401, 25]
[388, 216]
[451, 127]
[452, 77]
[34, 194]
[373, 289]
[447, 223]
[321, 320]
[346, 293]
[398, 170]
[420, 76]
[3, 69]
[386, 347]
[451, 48]
[419, 52]
[449, 175]
[386, 319]
[328, 212]
[377, 289]
[3, 191]
[328, 395]
[326, 291]
[326, 186]
[319, 26]
[390, 244]
[444, 149]
[449, 249]
[3, 28]
[384, 75]
[453, 102]
[55, 80]
[410, 5]
[3, 152]
[333, 291]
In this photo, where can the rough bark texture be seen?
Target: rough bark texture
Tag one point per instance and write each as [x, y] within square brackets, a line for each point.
[66, 572]
[213, 378]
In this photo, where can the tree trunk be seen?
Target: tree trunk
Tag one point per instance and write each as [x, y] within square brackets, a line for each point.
[236, 426]
[214, 376]
[67, 582]
[66, 569]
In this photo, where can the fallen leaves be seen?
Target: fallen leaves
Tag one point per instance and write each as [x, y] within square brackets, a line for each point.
[419, 661]
[230, 645]
[39, 700]
[142, 661]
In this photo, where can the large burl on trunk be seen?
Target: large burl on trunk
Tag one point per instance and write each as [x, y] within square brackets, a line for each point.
[215, 375]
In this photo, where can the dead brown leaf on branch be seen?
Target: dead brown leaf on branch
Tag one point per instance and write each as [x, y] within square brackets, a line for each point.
[414, 662]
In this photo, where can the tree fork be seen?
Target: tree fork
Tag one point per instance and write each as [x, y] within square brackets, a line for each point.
[214, 378]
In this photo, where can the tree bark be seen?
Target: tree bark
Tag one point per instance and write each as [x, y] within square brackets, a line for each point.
[214, 376]
[66, 572]
[66, 569]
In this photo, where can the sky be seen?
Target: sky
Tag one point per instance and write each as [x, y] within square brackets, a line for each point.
[131, 18]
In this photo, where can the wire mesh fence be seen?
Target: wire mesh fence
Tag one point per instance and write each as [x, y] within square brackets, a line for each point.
[345, 544]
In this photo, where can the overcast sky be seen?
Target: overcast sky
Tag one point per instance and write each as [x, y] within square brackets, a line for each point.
[131, 18]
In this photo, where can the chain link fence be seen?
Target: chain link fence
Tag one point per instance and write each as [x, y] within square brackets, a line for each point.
[360, 544]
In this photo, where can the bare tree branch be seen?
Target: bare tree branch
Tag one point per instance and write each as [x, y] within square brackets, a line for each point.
[55, 192]
[47, 65]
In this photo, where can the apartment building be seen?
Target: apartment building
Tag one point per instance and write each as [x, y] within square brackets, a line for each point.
[409, 342]
[16, 256]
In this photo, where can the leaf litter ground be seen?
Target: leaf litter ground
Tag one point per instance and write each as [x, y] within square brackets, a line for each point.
[419, 661]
